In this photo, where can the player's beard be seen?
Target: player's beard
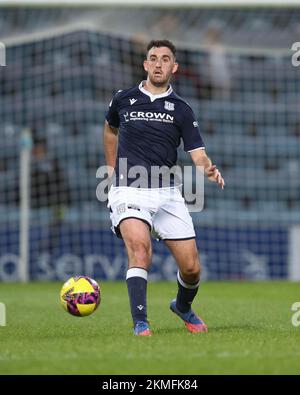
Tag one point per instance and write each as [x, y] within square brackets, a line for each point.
[158, 84]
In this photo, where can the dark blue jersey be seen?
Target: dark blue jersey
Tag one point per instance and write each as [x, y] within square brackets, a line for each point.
[150, 129]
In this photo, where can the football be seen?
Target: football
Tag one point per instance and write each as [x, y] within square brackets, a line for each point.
[80, 296]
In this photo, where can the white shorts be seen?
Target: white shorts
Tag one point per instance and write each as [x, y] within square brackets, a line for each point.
[163, 209]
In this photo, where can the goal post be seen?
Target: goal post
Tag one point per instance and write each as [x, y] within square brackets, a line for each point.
[25, 155]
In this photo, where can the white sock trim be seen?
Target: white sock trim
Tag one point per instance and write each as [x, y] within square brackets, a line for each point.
[137, 272]
[186, 285]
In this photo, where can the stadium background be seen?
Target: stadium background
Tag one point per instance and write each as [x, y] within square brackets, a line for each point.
[63, 65]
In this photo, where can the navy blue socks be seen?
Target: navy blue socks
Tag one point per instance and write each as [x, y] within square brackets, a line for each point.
[136, 279]
[186, 294]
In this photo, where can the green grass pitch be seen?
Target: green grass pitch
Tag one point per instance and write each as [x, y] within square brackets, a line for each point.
[250, 332]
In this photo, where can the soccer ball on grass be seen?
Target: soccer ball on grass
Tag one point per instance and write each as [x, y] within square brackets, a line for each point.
[80, 296]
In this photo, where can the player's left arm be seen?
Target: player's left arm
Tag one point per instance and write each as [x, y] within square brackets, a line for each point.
[200, 159]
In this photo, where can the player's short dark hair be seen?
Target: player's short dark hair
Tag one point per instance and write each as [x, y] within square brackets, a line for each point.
[162, 43]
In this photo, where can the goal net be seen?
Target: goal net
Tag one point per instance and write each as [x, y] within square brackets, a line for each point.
[62, 67]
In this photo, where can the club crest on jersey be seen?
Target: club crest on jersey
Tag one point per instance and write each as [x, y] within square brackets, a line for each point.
[169, 106]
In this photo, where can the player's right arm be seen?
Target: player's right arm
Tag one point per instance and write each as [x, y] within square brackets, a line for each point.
[110, 142]
[110, 134]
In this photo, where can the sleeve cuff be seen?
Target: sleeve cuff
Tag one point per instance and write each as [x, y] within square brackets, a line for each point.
[195, 149]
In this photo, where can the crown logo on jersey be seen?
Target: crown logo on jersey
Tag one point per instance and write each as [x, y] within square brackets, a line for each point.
[169, 106]
[132, 101]
[126, 116]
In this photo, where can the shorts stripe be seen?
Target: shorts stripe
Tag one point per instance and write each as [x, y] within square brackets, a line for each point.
[141, 219]
[180, 238]
[117, 228]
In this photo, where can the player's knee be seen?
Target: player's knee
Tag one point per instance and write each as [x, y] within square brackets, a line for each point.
[192, 272]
